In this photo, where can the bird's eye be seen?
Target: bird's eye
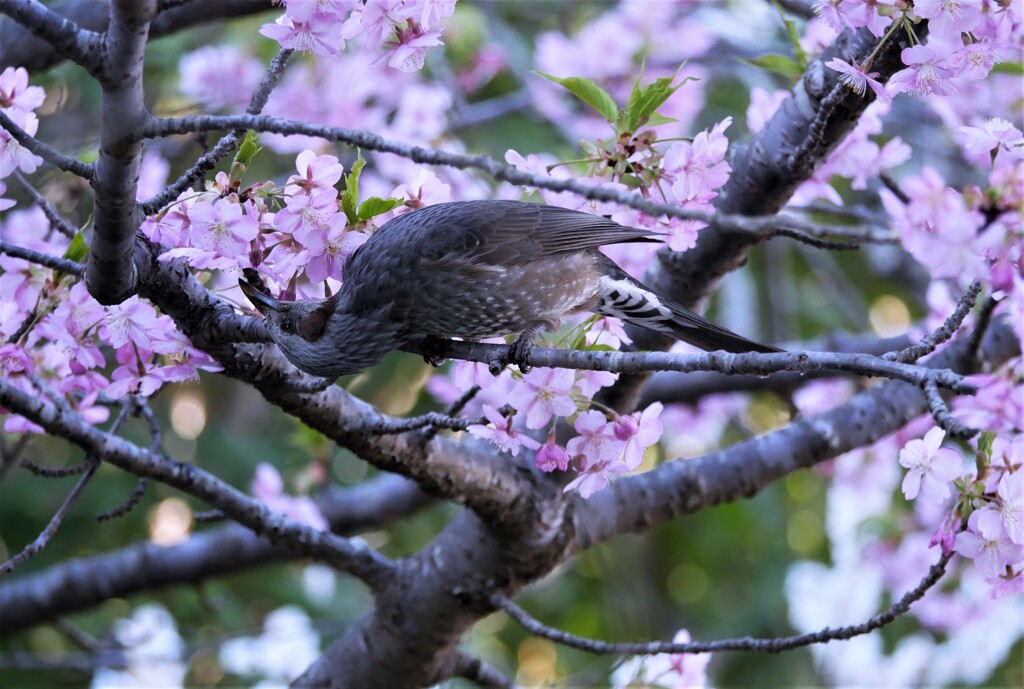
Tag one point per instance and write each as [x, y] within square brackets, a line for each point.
[287, 326]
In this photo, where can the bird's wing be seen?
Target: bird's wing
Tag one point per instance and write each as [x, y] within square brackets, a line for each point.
[509, 233]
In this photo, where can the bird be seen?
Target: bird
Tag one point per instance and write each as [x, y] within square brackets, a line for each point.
[474, 270]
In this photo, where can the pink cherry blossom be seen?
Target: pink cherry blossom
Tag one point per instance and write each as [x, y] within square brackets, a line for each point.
[5, 203]
[1011, 508]
[206, 71]
[699, 168]
[14, 156]
[762, 106]
[409, 51]
[927, 73]
[995, 133]
[639, 431]
[16, 94]
[501, 433]
[327, 260]
[316, 172]
[949, 18]
[306, 217]
[543, 393]
[858, 79]
[931, 467]
[551, 456]
[268, 488]
[222, 227]
[132, 321]
[589, 382]
[987, 543]
[322, 36]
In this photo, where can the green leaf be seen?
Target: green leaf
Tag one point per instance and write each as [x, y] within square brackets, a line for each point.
[645, 100]
[655, 119]
[794, 39]
[374, 206]
[588, 92]
[78, 249]
[777, 64]
[350, 197]
[1015, 68]
[248, 148]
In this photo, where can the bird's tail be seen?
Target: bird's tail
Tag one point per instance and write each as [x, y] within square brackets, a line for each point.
[634, 303]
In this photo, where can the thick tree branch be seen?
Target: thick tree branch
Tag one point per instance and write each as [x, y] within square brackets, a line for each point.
[83, 583]
[19, 48]
[56, 34]
[110, 273]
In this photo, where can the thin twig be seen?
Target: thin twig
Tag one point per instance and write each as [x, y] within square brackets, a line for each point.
[227, 144]
[981, 324]
[941, 334]
[483, 674]
[942, 415]
[44, 538]
[776, 645]
[130, 502]
[57, 472]
[762, 227]
[57, 221]
[47, 260]
[434, 420]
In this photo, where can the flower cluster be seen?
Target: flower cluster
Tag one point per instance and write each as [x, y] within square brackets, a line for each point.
[403, 28]
[18, 101]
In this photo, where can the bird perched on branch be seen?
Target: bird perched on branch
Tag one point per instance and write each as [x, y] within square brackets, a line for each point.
[476, 269]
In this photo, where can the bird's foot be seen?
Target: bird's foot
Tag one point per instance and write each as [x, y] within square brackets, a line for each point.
[519, 351]
[430, 348]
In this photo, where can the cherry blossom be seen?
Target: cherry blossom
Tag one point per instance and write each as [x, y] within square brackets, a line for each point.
[543, 393]
[858, 79]
[931, 467]
[268, 488]
[551, 456]
[501, 433]
[987, 543]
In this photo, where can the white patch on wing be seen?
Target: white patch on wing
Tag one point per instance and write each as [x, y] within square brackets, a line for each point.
[626, 300]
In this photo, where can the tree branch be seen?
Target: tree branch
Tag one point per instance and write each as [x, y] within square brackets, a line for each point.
[637, 503]
[340, 553]
[777, 645]
[19, 48]
[227, 144]
[80, 584]
[63, 36]
[110, 272]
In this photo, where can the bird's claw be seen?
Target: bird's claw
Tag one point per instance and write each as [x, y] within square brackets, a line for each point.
[518, 352]
[430, 348]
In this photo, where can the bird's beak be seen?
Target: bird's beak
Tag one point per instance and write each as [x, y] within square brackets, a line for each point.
[263, 302]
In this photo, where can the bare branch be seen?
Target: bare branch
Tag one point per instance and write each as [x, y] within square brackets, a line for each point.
[51, 528]
[757, 228]
[351, 556]
[228, 143]
[636, 503]
[46, 260]
[751, 363]
[20, 48]
[479, 672]
[57, 221]
[777, 645]
[941, 334]
[81, 584]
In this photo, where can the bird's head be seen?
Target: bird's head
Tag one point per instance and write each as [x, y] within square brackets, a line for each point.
[318, 337]
[298, 327]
